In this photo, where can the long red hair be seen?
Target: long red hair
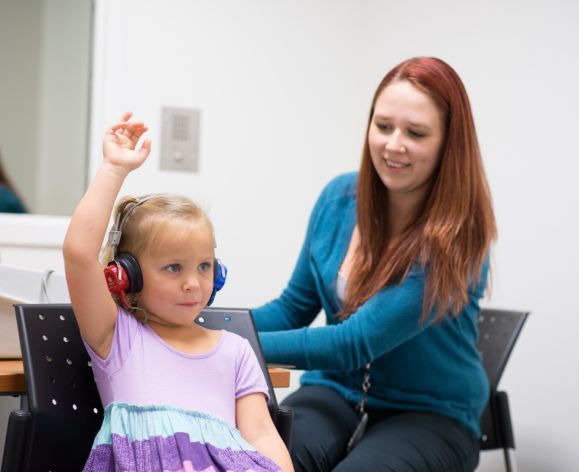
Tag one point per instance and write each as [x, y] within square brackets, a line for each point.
[453, 228]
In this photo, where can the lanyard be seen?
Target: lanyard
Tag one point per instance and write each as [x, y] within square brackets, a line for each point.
[363, 421]
[365, 387]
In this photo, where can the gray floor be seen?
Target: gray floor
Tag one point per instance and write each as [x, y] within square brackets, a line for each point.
[7, 404]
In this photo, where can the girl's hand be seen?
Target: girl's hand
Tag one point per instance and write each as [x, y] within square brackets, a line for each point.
[120, 144]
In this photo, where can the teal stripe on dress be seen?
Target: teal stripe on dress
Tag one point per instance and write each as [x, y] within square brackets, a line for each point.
[140, 423]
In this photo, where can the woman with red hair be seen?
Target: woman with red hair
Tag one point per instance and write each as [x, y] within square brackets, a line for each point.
[397, 255]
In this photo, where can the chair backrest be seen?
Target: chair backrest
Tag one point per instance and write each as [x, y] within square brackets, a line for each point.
[239, 321]
[62, 395]
[498, 333]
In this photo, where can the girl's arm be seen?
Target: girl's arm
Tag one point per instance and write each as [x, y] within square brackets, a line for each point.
[256, 426]
[93, 306]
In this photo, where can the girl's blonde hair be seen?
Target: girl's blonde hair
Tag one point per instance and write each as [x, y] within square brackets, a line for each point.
[141, 221]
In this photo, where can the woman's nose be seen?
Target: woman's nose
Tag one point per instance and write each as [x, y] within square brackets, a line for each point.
[394, 142]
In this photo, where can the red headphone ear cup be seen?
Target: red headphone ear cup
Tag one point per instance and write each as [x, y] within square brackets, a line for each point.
[123, 274]
[132, 272]
[116, 277]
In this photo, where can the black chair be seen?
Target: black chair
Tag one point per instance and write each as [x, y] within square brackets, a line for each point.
[59, 417]
[240, 321]
[498, 332]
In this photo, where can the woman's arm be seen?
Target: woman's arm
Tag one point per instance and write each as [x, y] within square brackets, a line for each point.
[300, 302]
[384, 322]
[257, 428]
[93, 306]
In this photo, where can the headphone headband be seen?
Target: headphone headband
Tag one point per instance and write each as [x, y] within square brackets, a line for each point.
[117, 230]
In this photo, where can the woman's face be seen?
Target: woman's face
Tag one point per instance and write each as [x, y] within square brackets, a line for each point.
[405, 139]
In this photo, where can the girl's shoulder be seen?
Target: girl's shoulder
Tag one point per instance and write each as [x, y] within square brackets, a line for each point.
[235, 343]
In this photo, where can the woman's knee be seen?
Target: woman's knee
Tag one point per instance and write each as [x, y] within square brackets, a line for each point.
[414, 441]
[322, 424]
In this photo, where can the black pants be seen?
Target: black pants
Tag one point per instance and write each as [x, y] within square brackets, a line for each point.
[394, 440]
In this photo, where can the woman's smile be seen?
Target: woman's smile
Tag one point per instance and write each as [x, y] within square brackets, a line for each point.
[396, 165]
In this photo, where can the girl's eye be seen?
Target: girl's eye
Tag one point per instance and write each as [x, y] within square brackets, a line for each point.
[173, 268]
[205, 266]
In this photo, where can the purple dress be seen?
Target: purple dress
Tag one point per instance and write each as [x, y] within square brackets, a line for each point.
[170, 411]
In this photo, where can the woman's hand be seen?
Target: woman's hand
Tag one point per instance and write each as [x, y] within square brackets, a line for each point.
[120, 144]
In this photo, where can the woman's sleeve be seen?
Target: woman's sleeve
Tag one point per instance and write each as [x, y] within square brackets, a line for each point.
[300, 302]
[385, 321]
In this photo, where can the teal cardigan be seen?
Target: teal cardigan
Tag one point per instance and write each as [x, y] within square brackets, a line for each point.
[414, 366]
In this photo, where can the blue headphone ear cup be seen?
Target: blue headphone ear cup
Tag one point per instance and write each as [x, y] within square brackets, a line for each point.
[219, 276]
[133, 270]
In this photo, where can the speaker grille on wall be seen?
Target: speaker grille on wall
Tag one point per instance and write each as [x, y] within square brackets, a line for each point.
[180, 139]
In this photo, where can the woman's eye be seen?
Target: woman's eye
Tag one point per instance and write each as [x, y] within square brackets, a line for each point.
[416, 134]
[383, 127]
[173, 268]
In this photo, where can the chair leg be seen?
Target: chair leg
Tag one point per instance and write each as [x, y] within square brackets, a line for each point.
[510, 459]
[15, 445]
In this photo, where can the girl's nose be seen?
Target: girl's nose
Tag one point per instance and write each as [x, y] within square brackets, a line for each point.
[191, 283]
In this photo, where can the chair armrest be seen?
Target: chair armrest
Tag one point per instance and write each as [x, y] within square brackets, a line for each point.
[283, 422]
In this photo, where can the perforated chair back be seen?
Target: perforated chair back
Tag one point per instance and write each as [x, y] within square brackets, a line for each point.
[65, 407]
[240, 321]
[65, 411]
[498, 333]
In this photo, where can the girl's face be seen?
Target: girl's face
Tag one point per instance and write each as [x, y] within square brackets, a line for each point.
[177, 272]
[405, 139]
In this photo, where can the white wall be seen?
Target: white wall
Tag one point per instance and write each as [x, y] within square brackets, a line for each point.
[282, 103]
[284, 89]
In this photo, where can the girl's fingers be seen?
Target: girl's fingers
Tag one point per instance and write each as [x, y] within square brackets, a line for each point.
[131, 131]
[128, 129]
[145, 149]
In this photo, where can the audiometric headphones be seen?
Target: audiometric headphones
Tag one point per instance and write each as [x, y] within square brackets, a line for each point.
[123, 274]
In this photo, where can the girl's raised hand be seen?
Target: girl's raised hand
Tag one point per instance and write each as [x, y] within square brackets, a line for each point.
[120, 144]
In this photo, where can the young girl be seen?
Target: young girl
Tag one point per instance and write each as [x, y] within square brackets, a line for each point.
[177, 396]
